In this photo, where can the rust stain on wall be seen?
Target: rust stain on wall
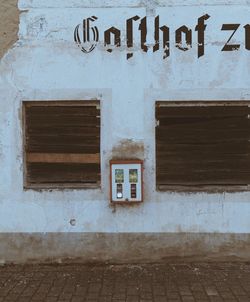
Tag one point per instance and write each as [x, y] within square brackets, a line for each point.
[9, 23]
[128, 149]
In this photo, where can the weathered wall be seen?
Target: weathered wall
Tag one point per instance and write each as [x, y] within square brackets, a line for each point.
[9, 21]
[47, 65]
[122, 247]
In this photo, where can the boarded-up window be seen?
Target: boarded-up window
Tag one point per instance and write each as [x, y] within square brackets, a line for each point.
[202, 144]
[62, 144]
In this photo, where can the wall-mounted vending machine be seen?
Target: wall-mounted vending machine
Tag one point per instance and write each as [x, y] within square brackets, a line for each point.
[126, 181]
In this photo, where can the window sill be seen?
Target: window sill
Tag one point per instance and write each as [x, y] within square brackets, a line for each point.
[60, 187]
[210, 189]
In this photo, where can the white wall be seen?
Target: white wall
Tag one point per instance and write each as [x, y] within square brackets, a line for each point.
[46, 64]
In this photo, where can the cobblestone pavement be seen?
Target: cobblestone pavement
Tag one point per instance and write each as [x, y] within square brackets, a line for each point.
[126, 283]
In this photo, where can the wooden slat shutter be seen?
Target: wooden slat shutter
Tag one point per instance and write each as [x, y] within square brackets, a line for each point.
[62, 144]
[203, 144]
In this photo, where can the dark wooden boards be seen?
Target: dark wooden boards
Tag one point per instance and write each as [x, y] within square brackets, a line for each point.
[64, 173]
[202, 145]
[62, 143]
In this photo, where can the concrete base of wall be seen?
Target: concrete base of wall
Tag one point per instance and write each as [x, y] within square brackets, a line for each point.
[122, 248]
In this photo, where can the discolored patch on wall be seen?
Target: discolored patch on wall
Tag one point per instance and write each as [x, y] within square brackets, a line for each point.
[128, 149]
[9, 23]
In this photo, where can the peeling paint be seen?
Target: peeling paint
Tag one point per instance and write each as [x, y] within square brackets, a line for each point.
[9, 21]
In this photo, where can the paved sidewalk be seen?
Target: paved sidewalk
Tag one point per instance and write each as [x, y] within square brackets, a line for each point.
[126, 283]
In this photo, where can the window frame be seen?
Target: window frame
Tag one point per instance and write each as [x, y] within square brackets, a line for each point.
[57, 186]
[210, 189]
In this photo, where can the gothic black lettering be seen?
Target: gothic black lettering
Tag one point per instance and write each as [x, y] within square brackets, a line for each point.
[165, 42]
[230, 47]
[86, 36]
[188, 38]
[200, 28]
[107, 37]
[247, 36]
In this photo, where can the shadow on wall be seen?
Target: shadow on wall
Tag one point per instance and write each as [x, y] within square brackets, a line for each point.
[9, 23]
